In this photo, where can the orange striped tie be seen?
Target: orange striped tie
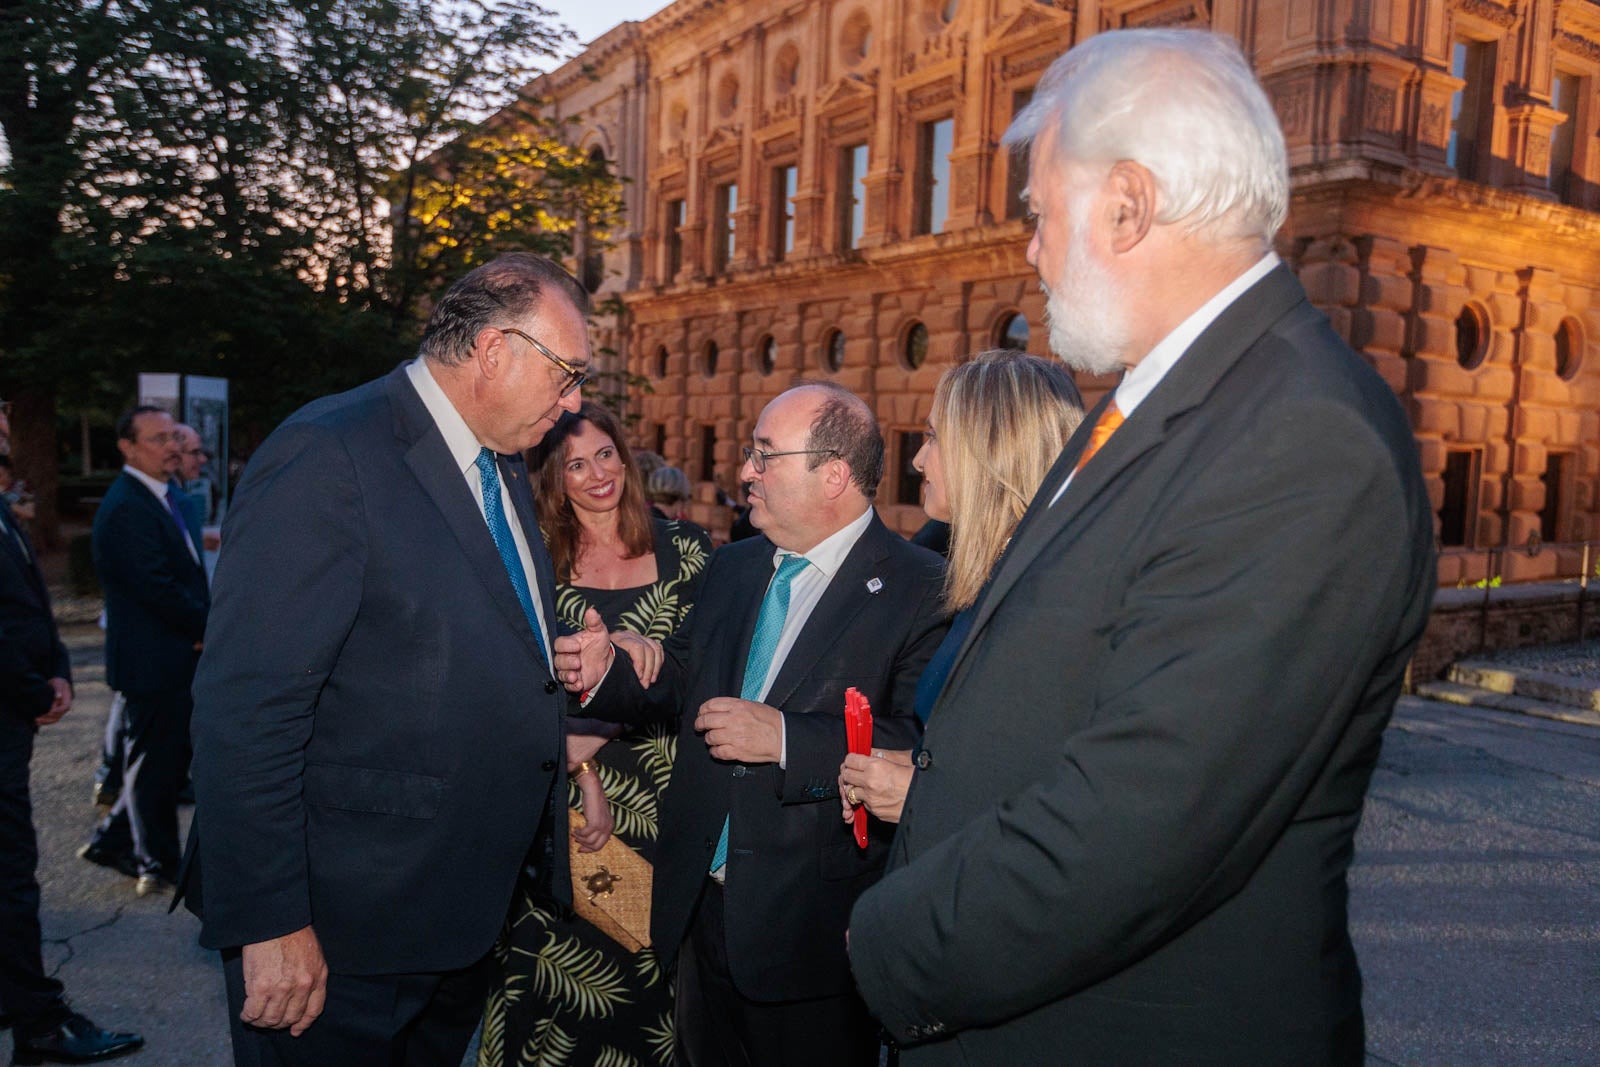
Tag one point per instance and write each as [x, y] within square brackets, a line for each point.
[1110, 419]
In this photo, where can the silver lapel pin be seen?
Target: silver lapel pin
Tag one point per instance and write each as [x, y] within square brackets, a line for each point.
[873, 585]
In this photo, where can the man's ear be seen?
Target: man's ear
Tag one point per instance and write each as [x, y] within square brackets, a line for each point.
[1131, 189]
[837, 479]
[489, 352]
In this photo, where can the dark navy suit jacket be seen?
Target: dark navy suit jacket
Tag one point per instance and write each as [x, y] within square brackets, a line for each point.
[155, 592]
[31, 652]
[377, 740]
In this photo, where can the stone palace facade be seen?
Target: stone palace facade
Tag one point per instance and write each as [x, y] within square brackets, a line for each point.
[816, 188]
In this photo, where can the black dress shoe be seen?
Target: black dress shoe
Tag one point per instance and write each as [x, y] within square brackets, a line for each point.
[121, 862]
[74, 1040]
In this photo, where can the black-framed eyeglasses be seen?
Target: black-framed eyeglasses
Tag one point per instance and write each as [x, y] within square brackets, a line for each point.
[576, 376]
[758, 459]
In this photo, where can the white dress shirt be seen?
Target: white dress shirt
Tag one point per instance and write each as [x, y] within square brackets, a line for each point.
[805, 590]
[464, 447]
[1142, 380]
[160, 491]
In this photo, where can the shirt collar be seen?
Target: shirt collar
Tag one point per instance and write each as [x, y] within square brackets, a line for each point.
[458, 437]
[158, 488]
[828, 554]
[1139, 382]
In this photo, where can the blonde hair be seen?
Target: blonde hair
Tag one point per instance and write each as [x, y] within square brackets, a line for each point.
[1000, 421]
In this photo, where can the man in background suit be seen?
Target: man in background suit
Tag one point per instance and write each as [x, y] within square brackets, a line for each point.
[35, 691]
[378, 737]
[1128, 835]
[756, 873]
[156, 599]
[108, 777]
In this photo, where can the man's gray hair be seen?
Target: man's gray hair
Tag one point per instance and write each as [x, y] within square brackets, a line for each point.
[503, 292]
[1182, 103]
[845, 428]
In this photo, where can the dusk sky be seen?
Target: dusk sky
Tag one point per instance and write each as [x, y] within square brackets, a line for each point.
[590, 18]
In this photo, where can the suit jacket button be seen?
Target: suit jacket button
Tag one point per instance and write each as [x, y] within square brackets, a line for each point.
[550, 686]
[740, 771]
[924, 759]
[548, 765]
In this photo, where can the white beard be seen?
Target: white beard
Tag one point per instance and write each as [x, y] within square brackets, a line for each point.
[1086, 315]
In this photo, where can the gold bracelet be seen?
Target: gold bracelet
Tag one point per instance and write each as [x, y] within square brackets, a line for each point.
[587, 767]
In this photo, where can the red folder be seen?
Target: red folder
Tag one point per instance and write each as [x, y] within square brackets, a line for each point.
[858, 734]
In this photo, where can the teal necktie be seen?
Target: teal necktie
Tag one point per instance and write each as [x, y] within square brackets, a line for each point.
[501, 532]
[769, 628]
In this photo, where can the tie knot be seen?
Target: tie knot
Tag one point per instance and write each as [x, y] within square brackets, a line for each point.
[789, 567]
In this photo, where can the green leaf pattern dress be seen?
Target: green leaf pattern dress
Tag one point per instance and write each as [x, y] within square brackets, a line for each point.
[569, 995]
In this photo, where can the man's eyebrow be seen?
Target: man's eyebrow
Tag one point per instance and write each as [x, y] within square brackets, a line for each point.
[765, 442]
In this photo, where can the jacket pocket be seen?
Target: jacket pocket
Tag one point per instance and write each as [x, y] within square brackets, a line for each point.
[379, 792]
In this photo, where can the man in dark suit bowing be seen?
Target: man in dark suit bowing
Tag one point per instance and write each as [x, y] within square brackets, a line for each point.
[150, 568]
[378, 736]
[757, 874]
[1128, 835]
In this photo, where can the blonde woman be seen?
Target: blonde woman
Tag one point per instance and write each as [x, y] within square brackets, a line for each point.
[998, 422]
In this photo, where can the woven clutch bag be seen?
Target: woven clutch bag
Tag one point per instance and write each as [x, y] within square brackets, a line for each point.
[611, 888]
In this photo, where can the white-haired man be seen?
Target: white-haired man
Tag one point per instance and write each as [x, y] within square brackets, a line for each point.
[1128, 835]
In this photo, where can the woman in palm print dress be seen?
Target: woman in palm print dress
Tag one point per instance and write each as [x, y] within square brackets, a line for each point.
[569, 994]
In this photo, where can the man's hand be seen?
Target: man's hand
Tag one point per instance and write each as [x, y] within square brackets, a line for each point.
[581, 659]
[880, 781]
[741, 730]
[60, 705]
[285, 982]
[645, 652]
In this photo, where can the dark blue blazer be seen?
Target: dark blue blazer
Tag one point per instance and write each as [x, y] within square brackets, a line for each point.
[376, 737]
[155, 592]
[31, 652]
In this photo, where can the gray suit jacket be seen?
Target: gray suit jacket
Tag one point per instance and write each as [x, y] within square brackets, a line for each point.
[1144, 775]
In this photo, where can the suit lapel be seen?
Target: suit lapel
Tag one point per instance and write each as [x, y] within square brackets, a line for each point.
[19, 548]
[435, 469]
[1185, 386]
[170, 532]
[748, 587]
[840, 602]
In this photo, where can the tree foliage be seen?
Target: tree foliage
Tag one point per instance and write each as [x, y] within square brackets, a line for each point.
[262, 190]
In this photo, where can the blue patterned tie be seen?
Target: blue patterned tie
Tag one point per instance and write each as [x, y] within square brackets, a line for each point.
[769, 628]
[496, 516]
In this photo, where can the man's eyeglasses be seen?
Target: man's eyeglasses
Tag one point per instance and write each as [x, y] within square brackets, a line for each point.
[758, 459]
[575, 375]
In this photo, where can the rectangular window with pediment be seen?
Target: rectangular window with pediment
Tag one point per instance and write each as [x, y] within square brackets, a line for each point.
[677, 215]
[935, 141]
[708, 453]
[908, 487]
[1471, 108]
[852, 194]
[725, 202]
[1566, 96]
[1557, 479]
[1017, 162]
[785, 184]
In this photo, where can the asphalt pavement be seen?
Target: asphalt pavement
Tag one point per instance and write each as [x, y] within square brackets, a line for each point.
[1475, 896]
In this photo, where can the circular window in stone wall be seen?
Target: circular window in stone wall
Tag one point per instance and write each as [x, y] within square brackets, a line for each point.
[1012, 333]
[855, 38]
[1472, 335]
[767, 354]
[1569, 349]
[915, 349]
[661, 362]
[708, 359]
[833, 349]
